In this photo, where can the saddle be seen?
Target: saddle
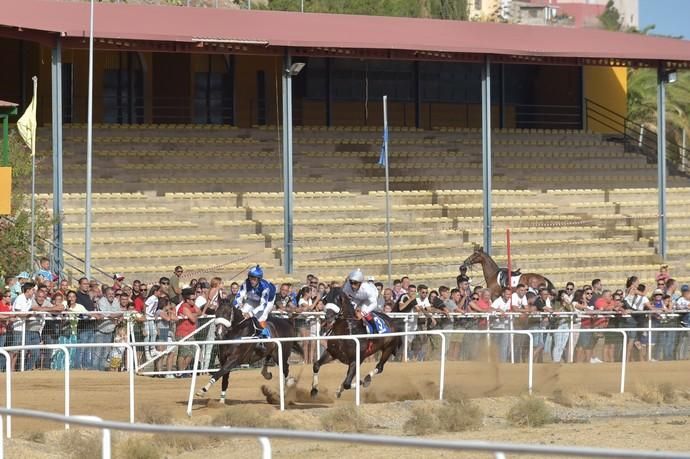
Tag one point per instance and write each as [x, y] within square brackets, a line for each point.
[502, 277]
[379, 324]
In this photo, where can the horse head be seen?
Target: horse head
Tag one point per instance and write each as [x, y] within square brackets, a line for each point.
[476, 257]
[226, 318]
[337, 305]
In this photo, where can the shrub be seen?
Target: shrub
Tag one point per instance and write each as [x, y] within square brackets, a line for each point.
[137, 448]
[459, 416]
[82, 443]
[236, 416]
[530, 412]
[668, 393]
[424, 420]
[154, 414]
[343, 419]
[562, 398]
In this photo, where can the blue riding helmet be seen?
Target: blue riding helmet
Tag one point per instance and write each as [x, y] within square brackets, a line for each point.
[257, 272]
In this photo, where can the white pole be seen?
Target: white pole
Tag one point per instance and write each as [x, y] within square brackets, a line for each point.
[684, 153]
[388, 202]
[33, 185]
[302, 6]
[89, 141]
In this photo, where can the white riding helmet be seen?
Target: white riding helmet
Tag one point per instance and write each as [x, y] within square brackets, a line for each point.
[356, 276]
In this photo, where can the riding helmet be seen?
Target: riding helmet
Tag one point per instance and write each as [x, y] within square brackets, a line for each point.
[256, 271]
[356, 276]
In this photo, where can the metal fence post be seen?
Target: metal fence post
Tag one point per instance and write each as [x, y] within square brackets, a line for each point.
[530, 363]
[358, 350]
[192, 385]
[266, 452]
[571, 346]
[8, 393]
[318, 343]
[649, 338]
[131, 352]
[106, 444]
[512, 339]
[624, 360]
[281, 380]
[407, 329]
[442, 378]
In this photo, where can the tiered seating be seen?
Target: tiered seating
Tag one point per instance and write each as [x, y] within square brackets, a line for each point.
[209, 197]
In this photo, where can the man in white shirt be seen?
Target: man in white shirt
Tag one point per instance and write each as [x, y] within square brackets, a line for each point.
[24, 303]
[518, 299]
[106, 326]
[500, 306]
[150, 308]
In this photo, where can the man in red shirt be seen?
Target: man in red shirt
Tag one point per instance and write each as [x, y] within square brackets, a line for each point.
[603, 303]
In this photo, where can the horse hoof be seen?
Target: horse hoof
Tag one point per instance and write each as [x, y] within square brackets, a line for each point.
[267, 375]
[221, 401]
[201, 393]
[338, 394]
[290, 381]
[314, 392]
[366, 381]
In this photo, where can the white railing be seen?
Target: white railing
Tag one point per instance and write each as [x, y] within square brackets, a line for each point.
[498, 449]
[131, 352]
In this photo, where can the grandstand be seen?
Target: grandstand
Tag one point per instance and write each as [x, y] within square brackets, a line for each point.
[187, 152]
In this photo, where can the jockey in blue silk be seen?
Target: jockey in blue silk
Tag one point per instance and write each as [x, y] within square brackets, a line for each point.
[255, 299]
[364, 297]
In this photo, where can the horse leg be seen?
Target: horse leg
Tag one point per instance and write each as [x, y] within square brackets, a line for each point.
[224, 387]
[289, 380]
[222, 372]
[325, 358]
[385, 355]
[265, 372]
[347, 383]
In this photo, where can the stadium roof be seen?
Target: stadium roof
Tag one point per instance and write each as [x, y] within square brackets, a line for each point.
[171, 28]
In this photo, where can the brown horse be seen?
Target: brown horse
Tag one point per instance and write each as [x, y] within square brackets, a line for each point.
[492, 272]
[345, 323]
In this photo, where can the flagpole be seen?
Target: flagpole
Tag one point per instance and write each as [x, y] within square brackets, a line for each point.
[388, 204]
[33, 186]
[89, 148]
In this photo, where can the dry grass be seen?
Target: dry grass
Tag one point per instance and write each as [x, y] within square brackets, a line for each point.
[155, 414]
[424, 420]
[81, 443]
[237, 416]
[179, 443]
[460, 415]
[343, 419]
[563, 398]
[137, 448]
[656, 394]
[34, 437]
[530, 412]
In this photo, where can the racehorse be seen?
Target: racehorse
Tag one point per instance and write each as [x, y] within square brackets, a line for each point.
[492, 273]
[231, 325]
[342, 323]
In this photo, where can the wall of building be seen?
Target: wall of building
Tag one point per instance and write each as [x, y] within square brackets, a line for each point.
[607, 86]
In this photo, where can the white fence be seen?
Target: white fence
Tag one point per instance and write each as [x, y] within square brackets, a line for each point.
[131, 352]
[498, 449]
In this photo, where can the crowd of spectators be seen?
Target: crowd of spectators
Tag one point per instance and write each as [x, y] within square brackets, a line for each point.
[39, 309]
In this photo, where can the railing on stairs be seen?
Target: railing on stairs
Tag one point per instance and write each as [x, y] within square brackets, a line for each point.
[637, 137]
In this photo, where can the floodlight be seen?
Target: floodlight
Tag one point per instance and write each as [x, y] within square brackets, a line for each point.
[671, 76]
[295, 68]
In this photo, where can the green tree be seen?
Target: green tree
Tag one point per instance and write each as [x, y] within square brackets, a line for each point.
[15, 232]
[441, 9]
[642, 102]
[610, 19]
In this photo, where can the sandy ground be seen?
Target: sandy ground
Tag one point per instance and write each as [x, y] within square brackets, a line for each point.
[599, 415]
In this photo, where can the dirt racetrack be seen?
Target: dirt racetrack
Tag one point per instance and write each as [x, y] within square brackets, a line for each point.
[387, 401]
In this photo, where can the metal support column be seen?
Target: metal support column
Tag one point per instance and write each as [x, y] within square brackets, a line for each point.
[417, 96]
[329, 93]
[661, 166]
[486, 152]
[58, 261]
[89, 156]
[502, 98]
[287, 165]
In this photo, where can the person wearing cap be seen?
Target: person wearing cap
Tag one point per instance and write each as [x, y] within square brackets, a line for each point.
[364, 296]
[255, 299]
[117, 284]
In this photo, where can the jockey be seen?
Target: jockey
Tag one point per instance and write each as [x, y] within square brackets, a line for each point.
[364, 297]
[255, 298]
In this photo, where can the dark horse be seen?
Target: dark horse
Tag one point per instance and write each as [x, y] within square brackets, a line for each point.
[345, 323]
[231, 325]
[491, 273]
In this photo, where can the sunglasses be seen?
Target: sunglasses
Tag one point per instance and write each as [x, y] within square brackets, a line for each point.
[475, 297]
[165, 283]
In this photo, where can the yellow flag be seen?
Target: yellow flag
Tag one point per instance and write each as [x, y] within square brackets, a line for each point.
[26, 125]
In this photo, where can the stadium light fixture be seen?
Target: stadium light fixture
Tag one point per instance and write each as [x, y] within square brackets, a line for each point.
[295, 68]
[670, 76]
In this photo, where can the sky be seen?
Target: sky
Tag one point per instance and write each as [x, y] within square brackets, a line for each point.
[671, 17]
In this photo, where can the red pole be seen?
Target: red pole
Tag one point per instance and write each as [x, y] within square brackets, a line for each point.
[510, 264]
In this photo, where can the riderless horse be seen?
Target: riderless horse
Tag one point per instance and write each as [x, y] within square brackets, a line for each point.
[341, 321]
[496, 278]
[231, 325]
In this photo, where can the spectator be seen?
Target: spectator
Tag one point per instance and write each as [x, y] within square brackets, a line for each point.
[397, 290]
[285, 301]
[25, 333]
[175, 288]
[150, 308]
[501, 306]
[48, 329]
[186, 325]
[536, 304]
[481, 305]
[613, 340]
[570, 291]
[165, 319]
[381, 300]
[234, 288]
[70, 330]
[663, 274]
[6, 338]
[597, 289]
[44, 272]
[117, 282]
[603, 303]
[110, 305]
